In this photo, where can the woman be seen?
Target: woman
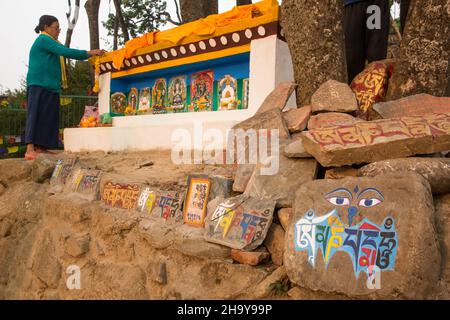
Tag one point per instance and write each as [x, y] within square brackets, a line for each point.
[44, 86]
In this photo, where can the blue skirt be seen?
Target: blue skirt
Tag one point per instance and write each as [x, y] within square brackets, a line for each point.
[42, 117]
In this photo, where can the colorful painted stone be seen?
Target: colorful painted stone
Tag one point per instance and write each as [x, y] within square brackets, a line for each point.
[123, 196]
[161, 204]
[240, 223]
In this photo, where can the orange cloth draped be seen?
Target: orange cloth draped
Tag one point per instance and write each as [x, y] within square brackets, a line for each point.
[202, 27]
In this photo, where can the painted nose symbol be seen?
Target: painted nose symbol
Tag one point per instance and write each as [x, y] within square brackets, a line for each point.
[351, 213]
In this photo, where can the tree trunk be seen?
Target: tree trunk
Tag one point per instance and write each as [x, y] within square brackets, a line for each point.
[243, 2]
[72, 22]
[122, 22]
[194, 10]
[116, 33]
[423, 61]
[315, 36]
[92, 8]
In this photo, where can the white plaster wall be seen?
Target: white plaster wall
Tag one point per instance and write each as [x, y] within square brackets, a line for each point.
[285, 70]
[142, 138]
[262, 70]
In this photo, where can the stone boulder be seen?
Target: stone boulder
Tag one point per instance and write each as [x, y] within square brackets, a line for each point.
[295, 149]
[435, 170]
[442, 205]
[341, 172]
[331, 119]
[243, 174]
[285, 216]
[252, 258]
[416, 105]
[334, 96]
[278, 98]
[275, 243]
[14, 170]
[377, 140]
[272, 119]
[345, 230]
[42, 168]
[297, 119]
[281, 186]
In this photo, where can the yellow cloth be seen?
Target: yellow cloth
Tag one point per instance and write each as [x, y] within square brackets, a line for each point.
[202, 27]
[1, 140]
[62, 60]
[65, 101]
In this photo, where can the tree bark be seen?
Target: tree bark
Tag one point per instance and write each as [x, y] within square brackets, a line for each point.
[122, 22]
[243, 2]
[423, 62]
[92, 8]
[116, 33]
[194, 10]
[315, 36]
[72, 22]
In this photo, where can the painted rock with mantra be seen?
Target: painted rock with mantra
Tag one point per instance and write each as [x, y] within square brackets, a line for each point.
[364, 237]
[334, 96]
[120, 195]
[85, 183]
[377, 140]
[240, 223]
[61, 173]
[166, 205]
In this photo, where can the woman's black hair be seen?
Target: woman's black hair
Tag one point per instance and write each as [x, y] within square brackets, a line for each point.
[45, 21]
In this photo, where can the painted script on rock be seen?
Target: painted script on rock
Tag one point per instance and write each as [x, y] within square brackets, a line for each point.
[62, 171]
[367, 244]
[370, 133]
[160, 204]
[85, 182]
[122, 196]
[240, 223]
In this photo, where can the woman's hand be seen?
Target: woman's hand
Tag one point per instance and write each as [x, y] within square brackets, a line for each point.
[96, 52]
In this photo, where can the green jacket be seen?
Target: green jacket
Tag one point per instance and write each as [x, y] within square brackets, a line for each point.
[44, 68]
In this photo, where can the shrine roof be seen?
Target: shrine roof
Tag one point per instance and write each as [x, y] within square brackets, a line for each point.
[213, 37]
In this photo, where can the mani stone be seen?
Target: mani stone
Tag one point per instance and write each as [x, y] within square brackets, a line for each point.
[334, 96]
[354, 223]
[297, 119]
[416, 105]
[435, 170]
[331, 119]
[280, 186]
[278, 98]
[316, 42]
[272, 119]
[377, 140]
[240, 223]
[423, 60]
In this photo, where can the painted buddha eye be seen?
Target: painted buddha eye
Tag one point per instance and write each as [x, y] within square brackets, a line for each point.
[369, 202]
[339, 201]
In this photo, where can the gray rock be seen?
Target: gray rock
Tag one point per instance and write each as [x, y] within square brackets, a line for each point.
[435, 170]
[42, 168]
[295, 149]
[334, 96]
